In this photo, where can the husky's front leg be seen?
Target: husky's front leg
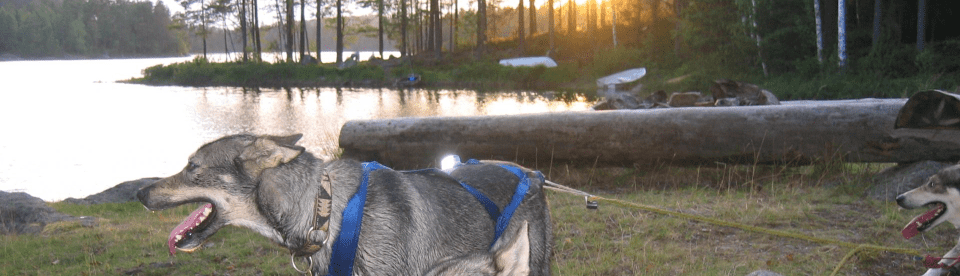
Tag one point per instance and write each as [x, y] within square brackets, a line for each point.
[948, 259]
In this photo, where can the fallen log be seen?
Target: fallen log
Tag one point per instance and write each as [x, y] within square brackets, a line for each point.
[796, 132]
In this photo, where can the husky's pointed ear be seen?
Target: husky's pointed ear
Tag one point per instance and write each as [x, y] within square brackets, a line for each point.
[513, 257]
[267, 152]
[287, 141]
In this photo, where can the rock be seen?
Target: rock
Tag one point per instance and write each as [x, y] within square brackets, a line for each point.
[21, 213]
[764, 273]
[684, 99]
[745, 93]
[618, 100]
[123, 192]
[896, 180]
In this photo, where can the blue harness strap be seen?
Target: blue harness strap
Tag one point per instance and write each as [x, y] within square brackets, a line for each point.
[502, 220]
[345, 248]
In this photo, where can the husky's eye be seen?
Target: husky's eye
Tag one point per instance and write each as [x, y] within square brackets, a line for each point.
[191, 166]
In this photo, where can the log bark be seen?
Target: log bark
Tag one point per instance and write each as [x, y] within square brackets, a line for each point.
[797, 133]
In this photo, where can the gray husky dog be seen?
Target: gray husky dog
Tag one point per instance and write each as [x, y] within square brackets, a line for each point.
[410, 220]
[941, 193]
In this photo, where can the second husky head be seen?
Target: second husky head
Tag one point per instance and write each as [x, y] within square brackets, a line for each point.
[941, 193]
[223, 176]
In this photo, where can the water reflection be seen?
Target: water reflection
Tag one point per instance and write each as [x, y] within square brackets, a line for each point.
[71, 131]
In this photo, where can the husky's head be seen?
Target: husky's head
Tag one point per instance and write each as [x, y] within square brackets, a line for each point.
[941, 193]
[224, 177]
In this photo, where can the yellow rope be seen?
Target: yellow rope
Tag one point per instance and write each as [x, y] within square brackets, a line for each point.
[855, 247]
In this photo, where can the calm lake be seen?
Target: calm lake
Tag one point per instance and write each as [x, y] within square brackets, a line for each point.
[70, 130]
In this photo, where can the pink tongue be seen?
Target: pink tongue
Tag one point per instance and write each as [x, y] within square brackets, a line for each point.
[912, 229]
[189, 223]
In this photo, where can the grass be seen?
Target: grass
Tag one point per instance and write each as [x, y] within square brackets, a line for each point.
[815, 200]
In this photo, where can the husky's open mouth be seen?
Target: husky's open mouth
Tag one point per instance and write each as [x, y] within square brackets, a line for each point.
[187, 236]
[924, 221]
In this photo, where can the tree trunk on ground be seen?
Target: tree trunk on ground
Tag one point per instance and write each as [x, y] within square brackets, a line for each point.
[793, 133]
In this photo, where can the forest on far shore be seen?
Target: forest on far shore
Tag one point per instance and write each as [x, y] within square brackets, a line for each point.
[88, 28]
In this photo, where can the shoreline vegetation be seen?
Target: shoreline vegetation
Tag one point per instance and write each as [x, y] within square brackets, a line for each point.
[465, 70]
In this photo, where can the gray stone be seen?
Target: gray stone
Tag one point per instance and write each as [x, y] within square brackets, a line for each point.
[896, 180]
[123, 192]
[21, 213]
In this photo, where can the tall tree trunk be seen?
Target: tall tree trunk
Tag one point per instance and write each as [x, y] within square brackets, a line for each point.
[550, 26]
[678, 9]
[533, 18]
[225, 43]
[921, 24]
[380, 25]
[592, 19]
[819, 22]
[456, 25]
[256, 31]
[572, 18]
[876, 24]
[243, 28]
[613, 23]
[433, 40]
[520, 27]
[303, 29]
[437, 27]
[289, 30]
[319, 27]
[756, 33]
[603, 13]
[419, 22]
[842, 33]
[481, 26]
[403, 28]
[339, 33]
[203, 27]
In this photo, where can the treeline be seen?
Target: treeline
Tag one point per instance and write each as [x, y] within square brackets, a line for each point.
[88, 28]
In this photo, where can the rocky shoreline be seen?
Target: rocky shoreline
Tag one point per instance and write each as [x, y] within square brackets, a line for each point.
[21, 213]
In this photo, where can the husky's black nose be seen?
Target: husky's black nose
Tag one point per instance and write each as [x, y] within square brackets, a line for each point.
[900, 199]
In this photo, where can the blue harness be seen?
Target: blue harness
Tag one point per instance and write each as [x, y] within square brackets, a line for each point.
[345, 248]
